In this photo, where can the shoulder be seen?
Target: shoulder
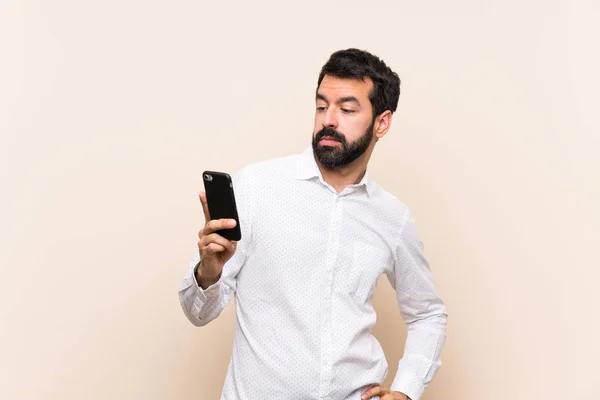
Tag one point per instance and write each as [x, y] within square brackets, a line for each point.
[397, 221]
[390, 206]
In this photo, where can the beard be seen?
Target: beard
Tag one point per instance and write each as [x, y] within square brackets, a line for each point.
[337, 156]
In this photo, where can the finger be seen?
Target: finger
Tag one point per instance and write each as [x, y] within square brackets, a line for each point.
[372, 392]
[218, 224]
[202, 197]
[218, 239]
[213, 248]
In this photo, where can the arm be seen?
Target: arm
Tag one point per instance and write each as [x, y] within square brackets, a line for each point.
[201, 303]
[422, 310]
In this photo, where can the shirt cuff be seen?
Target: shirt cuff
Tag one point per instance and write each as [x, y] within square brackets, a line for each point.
[408, 384]
[211, 291]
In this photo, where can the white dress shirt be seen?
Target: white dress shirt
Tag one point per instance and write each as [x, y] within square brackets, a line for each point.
[304, 274]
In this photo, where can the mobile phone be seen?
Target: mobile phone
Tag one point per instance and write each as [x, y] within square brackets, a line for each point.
[220, 199]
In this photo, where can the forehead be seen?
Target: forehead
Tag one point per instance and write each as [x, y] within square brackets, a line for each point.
[333, 87]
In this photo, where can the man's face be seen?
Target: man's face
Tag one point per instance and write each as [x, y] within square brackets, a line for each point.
[344, 120]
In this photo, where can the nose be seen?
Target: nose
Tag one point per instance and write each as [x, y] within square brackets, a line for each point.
[330, 119]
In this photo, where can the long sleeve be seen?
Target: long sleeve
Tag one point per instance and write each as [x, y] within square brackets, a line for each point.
[204, 305]
[422, 310]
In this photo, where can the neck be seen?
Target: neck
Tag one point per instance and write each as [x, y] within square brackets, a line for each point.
[340, 177]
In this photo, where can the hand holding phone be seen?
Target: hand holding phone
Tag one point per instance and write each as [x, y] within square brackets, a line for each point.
[218, 239]
[220, 200]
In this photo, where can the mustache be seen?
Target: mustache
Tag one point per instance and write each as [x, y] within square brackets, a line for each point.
[330, 133]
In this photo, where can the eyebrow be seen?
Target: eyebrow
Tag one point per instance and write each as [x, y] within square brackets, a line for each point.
[345, 99]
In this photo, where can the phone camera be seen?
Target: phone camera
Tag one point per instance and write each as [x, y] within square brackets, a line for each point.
[208, 177]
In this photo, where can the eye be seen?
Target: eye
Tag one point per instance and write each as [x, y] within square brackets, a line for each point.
[347, 111]
[320, 108]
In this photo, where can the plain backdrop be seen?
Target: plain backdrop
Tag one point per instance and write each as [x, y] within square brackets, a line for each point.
[110, 110]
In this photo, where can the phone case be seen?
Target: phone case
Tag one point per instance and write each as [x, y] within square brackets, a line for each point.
[220, 199]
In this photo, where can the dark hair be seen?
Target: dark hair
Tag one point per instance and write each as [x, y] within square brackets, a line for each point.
[360, 64]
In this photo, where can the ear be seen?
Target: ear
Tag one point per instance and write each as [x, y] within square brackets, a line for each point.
[382, 124]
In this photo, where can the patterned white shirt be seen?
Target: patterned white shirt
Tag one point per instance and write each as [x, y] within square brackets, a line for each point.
[304, 274]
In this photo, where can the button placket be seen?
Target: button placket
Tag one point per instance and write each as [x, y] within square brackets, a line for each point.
[326, 328]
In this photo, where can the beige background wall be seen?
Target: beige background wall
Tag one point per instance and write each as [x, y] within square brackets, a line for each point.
[110, 110]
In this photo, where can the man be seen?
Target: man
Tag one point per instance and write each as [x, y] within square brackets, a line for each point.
[316, 235]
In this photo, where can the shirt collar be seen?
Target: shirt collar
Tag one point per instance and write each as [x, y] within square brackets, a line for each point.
[307, 168]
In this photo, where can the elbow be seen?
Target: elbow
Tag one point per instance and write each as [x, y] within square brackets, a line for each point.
[195, 319]
[198, 322]
[435, 317]
[192, 312]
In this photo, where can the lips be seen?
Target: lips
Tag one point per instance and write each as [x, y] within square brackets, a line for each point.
[328, 141]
